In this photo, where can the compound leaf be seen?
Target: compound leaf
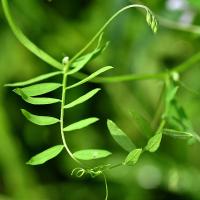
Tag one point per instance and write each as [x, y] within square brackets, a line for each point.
[81, 124]
[82, 99]
[93, 75]
[120, 137]
[39, 120]
[133, 157]
[45, 155]
[91, 154]
[34, 80]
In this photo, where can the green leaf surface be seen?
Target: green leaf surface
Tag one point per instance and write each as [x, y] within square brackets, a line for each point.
[133, 157]
[143, 125]
[80, 62]
[39, 120]
[81, 124]
[82, 99]
[93, 75]
[177, 134]
[91, 154]
[38, 89]
[34, 80]
[120, 137]
[154, 143]
[37, 100]
[45, 155]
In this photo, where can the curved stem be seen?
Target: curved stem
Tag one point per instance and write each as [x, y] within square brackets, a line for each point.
[62, 114]
[106, 186]
[26, 42]
[104, 27]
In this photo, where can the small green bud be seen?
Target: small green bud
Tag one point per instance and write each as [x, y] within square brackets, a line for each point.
[148, 18]
[65, 60]
[175, 76]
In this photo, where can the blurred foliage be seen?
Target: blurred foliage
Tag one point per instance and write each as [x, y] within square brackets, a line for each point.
[62, 28]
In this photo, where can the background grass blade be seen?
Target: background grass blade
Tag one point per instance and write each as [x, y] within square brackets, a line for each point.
[142, 124]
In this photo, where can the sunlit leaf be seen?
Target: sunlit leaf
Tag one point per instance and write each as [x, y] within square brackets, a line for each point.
[36, 100]
[45, 155]
[91, 154]
[38, 89]
[133, 157]
[154, 143]
[34, 80]
[82, 98]
[39, 120]
[143, 125]
[80, 62]
[81, 124]
[93, 75]
[120, 137]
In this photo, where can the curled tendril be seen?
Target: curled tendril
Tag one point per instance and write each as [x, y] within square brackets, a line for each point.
[94, 172]
[79, 172]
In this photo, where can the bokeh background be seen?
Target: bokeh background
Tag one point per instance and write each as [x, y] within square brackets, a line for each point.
[61, 28]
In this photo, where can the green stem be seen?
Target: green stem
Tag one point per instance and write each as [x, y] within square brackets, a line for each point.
[122, 78]
[187, 64]
[62, 114]
[178, 26]
[26, 42]
[104, 27]
[106, 185]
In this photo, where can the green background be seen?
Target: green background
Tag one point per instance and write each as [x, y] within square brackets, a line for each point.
[62, 28]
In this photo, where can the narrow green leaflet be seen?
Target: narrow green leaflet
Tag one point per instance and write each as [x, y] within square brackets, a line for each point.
[34, 80]
[80, 62]
[39, 120]
[93, 75]
[143, 124]
[154, 143]
[133, 157]
[171, 94]
[38, 89]
[45, 155]
[81, 124]
[37, 100]
[120, 137]
[40, 101]
[82, 99]
[177, 134]
[91, 154]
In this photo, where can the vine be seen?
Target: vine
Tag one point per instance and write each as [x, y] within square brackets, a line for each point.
[173, 121]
